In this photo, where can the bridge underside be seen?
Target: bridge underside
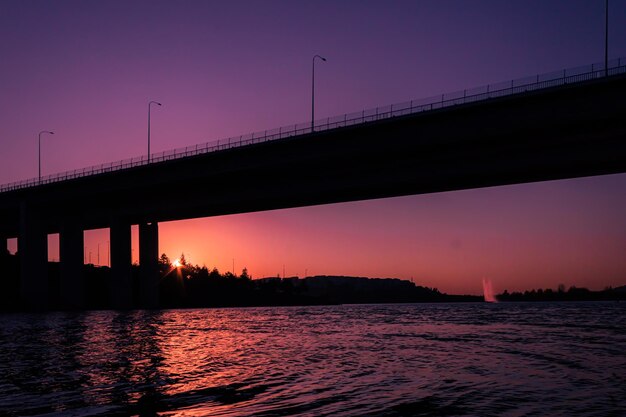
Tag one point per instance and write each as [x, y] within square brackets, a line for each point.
[566, 132]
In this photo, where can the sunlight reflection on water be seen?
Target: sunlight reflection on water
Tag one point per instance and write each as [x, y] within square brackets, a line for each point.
[378, 360]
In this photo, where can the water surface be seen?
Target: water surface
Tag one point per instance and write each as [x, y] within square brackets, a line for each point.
[505, 359]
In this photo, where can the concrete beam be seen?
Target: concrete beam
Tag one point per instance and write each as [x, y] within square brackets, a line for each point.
[33, 253]
[121, 288]
[72, 288]
[566, 132]
[148, 263]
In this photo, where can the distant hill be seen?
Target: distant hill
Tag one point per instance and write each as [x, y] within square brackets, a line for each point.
[356, 290]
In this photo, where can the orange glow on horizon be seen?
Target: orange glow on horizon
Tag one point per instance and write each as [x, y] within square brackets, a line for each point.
[528, 236]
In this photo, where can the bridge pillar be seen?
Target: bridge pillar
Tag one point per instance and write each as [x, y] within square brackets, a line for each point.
[121, 278]
[33, 254]
[149, 265]
[71, 242]
[8, 295]
[4, 245]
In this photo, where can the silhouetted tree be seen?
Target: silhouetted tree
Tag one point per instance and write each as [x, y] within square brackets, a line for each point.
[244, 274]
[215, 274]
[165, 260]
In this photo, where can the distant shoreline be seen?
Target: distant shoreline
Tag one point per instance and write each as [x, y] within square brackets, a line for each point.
[191, 286]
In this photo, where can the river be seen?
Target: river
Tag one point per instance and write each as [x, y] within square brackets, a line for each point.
[465, 359]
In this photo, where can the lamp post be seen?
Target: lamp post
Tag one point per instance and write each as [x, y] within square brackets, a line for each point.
[313, 92]
[40, 133]
[149, 106]
[606, 38]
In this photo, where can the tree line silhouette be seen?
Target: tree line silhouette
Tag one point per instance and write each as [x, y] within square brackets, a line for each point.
[190, 285]
[184, 285]
[561, 294]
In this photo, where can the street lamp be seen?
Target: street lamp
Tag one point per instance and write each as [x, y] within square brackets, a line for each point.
[149, 104]
[40, 133]
[313, 92]
[606, 38]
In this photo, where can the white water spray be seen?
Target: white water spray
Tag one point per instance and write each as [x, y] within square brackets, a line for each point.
[488, 291]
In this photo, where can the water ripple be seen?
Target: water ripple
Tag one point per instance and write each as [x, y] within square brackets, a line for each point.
[381, 360]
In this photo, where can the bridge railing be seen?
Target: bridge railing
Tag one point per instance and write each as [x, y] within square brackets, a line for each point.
[508, 88]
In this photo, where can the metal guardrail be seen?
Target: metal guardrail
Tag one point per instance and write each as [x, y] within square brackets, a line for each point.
[518, 86]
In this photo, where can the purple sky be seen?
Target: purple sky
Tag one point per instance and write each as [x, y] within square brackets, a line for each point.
[86, 69]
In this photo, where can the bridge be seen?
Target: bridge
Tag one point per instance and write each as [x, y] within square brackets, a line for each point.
[561, 125]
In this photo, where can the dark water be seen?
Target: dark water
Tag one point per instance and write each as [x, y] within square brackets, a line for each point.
[370, 360]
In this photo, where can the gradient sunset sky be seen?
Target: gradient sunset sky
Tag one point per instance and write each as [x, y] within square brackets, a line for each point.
[87, 69]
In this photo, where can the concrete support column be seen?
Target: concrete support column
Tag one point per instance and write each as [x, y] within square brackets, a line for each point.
[9, 293]
[121, 278]
[33, 251]
[3, 245]
[149, 265]
[72, 288]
